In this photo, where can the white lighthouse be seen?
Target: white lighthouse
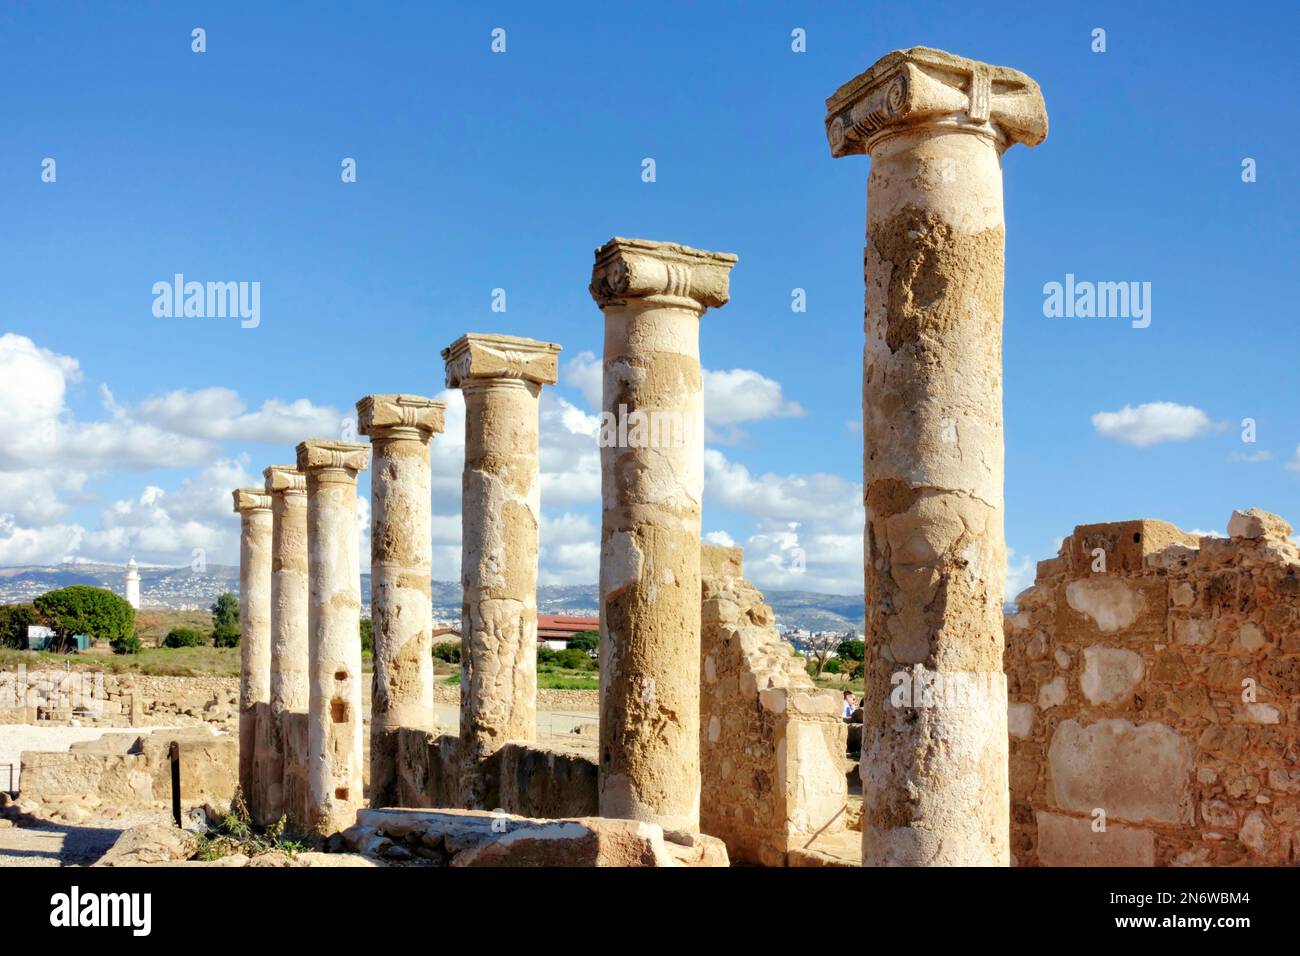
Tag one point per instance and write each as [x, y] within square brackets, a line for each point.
[132, 584]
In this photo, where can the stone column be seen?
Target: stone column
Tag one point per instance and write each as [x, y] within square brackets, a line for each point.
[401, 559]
[254, 508]
[652, 478]
[501, 377]
[934, 764]
[334, 747]
[287, 763]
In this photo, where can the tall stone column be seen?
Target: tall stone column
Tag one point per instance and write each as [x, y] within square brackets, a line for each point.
[652, 479]
[334, 718]
[934, 762]
[254, 508]
[401, 563]
[501, 377]
[287, 758]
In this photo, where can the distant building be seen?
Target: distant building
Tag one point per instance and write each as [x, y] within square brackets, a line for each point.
[554, 630]
[133, 584]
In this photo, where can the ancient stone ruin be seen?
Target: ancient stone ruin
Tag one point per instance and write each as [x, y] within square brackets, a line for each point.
[1144, 711]
[1154, 685]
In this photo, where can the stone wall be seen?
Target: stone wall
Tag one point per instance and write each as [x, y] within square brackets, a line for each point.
[1154, 687]
[525, 780]
[772, 745]
[129, 771]
[92, 697]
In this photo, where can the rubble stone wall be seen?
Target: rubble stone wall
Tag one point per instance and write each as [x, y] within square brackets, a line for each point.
[772, 744]
[1154, 698]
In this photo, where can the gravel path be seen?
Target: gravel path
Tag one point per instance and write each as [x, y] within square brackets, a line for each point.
[63, 844]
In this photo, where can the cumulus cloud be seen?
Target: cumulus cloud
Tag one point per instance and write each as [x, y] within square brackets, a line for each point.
[1153, 423]
[218, 413]
[731, 396]
[720, 538]
[569, 550]
[49, 544]
[1294, 463]
[1020, 574]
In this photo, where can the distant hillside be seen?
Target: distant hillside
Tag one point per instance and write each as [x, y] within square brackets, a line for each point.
[182, 589]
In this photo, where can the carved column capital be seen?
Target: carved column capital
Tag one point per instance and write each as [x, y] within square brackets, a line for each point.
[477, 358]
[285, 480]
[413, 416]
[664, 273]
[925, 88]
[344, 456]
[248, 500]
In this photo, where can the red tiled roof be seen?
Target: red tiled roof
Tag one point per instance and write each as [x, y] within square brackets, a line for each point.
[560, 627]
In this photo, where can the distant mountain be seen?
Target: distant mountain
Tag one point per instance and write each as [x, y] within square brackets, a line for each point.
[183, 589]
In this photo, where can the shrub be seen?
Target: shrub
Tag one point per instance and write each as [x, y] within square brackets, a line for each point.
[545, 655]
[368, 635]
[448, 651]
[574, 660]
[832, 666]
[127, 645]
[184, 637]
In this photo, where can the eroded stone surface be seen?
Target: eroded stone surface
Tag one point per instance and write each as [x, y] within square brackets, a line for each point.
[400, 428]
[255, 538]
[772, 744]
[933, 446]
[501, 378]
[334, 718]
[652, 295]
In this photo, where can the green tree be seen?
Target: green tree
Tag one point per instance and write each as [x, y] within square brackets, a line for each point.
[82, 609]
[448, 651]
[14, 621]
[574, 660]
[225, 621]
[852, 650]
[584, 641]
[367, 634]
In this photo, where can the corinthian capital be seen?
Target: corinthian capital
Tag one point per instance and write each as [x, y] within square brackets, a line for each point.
[484, 357]
[377, 414]
[922, 87]
[251, 499]
[675, 275]
[349, 456]
[284, 479]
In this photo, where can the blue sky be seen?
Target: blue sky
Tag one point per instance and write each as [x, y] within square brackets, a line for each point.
[122, 433]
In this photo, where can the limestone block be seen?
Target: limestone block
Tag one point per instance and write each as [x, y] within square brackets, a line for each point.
[1110, 674]
[1257, 525]
[1071, 841]
[1134, 772]
[151, 844]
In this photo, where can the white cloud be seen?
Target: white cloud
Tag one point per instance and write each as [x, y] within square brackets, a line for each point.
[50, 544]
[793, 497]
[218, 413]
[569, 550]
[1153, 423]
[1020, 574]
[167, 528]
[720, 538]
[1294, 463]
[731, 396]
[743, 395]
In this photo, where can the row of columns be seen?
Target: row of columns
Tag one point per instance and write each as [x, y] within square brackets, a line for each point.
[935, 778]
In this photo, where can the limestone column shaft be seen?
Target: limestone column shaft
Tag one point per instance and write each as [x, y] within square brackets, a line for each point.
[400, 428]
[652, 480]
[501, 377]
[934, 763]
[334, 718]
[255, 532]
[289, 614]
